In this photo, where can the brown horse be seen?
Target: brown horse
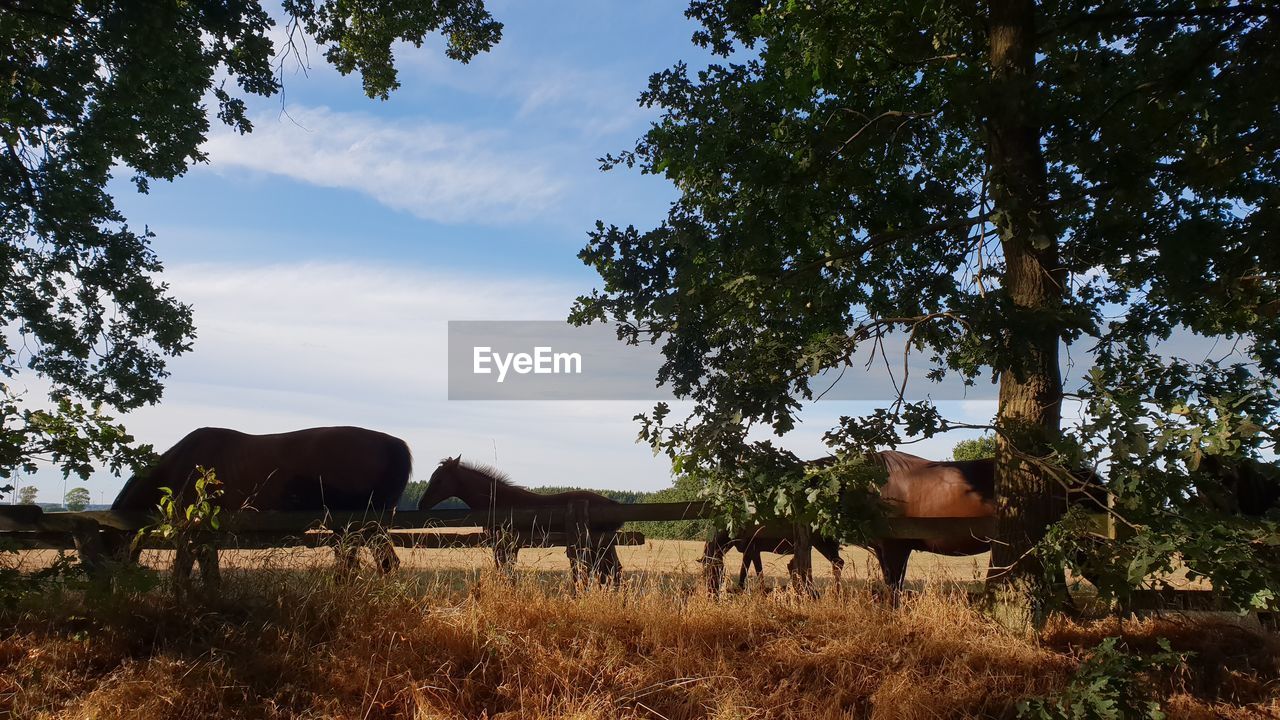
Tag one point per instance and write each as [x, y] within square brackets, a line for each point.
[920, 488]
[482, 488]
[754, 541]
[328, 468]
[916, 488]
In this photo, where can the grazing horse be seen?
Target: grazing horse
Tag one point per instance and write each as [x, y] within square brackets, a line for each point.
[328, 468]
[920, 488]
[1243, 486]
[917, 488]
[486, 488]
[754, 541]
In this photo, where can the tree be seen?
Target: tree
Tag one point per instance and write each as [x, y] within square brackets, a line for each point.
[998, 181]
[91, 87]
[27, 495]
[975, 448]
[77, 499]
[414, 491]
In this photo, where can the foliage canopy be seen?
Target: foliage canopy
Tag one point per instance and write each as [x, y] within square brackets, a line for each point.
[77, 499]
[95, 88]
[998, 181]
[975, 449]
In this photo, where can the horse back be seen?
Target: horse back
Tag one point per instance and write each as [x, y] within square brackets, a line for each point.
[958, 488]
[562, 499]
[176, 468]
[760, 538]
[341, 468]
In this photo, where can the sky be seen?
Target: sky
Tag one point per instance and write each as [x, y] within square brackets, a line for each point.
[325, 252]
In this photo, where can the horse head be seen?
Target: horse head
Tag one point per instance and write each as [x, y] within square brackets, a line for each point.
[443, 483]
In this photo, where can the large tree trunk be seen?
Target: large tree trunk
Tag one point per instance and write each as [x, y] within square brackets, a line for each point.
[1030, 384]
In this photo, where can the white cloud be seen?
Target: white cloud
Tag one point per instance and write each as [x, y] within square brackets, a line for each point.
[435, 171]
[593, 102]
[546, 91]
[288, 346]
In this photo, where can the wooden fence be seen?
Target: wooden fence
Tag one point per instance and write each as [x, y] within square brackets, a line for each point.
[29, 527]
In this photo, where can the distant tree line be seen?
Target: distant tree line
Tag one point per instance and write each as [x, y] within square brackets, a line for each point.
[685, 489]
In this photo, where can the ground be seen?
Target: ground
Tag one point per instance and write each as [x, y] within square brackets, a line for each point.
[448, 638]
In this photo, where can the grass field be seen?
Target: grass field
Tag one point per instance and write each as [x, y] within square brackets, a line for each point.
[639, 562]
[447, 638]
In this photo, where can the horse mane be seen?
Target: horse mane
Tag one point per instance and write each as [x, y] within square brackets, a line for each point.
[492, 473]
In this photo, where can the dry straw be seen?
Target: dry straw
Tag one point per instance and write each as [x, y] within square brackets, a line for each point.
[448, 638]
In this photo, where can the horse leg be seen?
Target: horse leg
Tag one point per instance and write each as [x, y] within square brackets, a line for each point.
[576, 565]
[612, 567]
[384, 552]
[347, 552]
[605, 565]
[118, 546]
[133, 547]
[505, 553]
[93, 552]
[893, 556]
[712, 567]
[746, 567]
[596, 571]
[831, 551]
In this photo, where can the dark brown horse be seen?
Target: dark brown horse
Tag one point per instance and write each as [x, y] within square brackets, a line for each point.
[1243, 486]
[752, 542]
[328, 468]
[486, 488]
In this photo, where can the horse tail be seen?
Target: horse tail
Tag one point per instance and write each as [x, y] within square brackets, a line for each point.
[399, 468]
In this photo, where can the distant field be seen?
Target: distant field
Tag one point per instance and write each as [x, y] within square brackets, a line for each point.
[660, 557]
[655, 556]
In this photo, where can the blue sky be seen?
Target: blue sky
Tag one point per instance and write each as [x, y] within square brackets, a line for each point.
[325, 252]
[501, 152]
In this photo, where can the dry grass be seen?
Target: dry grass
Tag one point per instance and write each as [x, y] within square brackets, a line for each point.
[654, 557]
[454, 641]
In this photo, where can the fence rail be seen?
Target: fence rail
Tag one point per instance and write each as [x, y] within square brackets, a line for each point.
[423, 540]
[32, 519]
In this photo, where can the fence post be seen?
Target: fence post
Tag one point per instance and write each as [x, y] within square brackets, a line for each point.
[89, 546]
[802, 561]
[713, 562]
